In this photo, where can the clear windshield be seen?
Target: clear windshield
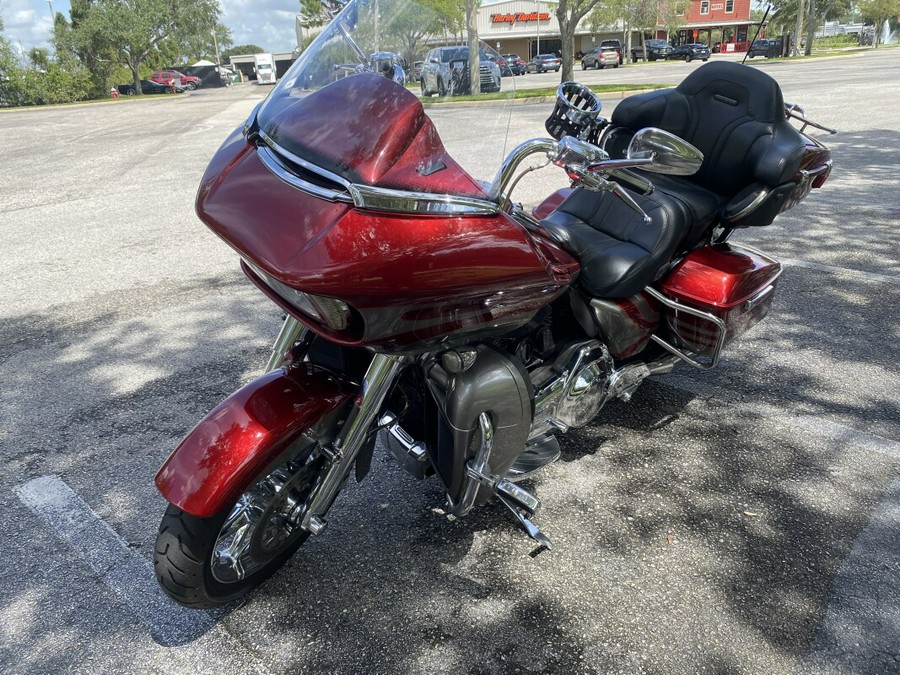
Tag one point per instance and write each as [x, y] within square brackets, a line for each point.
[412, 45]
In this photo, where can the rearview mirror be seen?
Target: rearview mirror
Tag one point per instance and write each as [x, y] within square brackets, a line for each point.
[669, 153]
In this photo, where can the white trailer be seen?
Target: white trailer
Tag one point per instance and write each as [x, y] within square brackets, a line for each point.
[264, 65]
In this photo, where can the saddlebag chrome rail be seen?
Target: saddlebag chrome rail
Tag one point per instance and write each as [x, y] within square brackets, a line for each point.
[721, 331]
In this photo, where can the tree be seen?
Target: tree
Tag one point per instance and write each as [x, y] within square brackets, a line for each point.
[633, 14]
[569, 13]
[130, 31]
[240, 50]
[202, 45]
[879, 11]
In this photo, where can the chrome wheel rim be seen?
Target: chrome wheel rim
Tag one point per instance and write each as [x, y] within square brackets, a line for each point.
[264, 521]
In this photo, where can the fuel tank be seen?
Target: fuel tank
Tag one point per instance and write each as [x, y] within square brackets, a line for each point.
[409, 279]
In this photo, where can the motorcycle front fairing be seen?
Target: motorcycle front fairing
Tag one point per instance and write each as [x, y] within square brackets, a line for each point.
[357, 205]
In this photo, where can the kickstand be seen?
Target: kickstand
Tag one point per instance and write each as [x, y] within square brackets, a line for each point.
[530, 528]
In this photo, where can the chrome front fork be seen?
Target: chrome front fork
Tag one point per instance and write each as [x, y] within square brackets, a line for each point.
[291, 332]
[342, 452]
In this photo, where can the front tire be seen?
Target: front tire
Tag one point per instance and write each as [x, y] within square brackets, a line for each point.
[687, 59]
[208, 562]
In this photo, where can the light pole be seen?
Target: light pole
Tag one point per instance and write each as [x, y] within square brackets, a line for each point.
[538, 26]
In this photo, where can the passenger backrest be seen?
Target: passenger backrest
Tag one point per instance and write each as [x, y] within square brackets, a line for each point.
[735, 115]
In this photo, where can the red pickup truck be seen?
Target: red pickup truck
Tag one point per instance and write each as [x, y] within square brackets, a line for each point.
[167, 77]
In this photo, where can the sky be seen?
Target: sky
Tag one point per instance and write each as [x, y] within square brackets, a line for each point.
[267, 23]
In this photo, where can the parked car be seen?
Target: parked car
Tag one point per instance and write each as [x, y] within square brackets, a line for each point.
[169, 76]
[445, 72]
[763, 47]
[149, 87]
[689, 52]
[516, 64]
[617, 45]
[502, 64]
[544, 62]
[599, 58]
[656, 49]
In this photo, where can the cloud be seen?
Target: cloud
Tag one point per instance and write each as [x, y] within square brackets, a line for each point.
[267, 23]
[28, 21]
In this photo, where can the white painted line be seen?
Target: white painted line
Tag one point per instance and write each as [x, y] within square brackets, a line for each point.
[860, 631]
[125, 572]
[844, 434]
[843, 271]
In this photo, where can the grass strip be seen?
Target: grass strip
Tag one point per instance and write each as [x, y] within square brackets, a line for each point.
[542, 91]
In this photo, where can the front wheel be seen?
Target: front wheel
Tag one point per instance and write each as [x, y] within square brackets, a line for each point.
[208, 562]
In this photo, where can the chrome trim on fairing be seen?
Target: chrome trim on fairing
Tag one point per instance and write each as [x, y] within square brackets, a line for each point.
[401, 201]
[366, 196]
[271, 161]
[299, 161]
[716, 321]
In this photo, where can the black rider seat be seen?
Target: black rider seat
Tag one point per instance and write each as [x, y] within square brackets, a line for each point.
[735, 115]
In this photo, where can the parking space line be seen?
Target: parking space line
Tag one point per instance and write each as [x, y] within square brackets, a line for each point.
[860, 631]
[125, 572]
[842, 271]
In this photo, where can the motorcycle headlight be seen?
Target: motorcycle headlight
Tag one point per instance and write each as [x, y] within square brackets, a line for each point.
[333, 313]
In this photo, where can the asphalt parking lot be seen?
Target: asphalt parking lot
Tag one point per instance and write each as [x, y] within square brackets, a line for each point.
[743, 520]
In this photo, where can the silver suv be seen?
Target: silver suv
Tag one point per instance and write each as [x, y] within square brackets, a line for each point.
[446, 72]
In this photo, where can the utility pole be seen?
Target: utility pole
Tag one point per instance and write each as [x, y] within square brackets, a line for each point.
[218, 59]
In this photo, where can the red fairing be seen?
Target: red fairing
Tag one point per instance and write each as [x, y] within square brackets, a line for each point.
[410, 278]
[247, 431]
[368, 129]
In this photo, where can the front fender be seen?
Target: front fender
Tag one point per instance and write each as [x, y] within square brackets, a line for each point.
[228, 449]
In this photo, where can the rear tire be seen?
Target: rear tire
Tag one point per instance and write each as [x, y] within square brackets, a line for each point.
[687, 59]
[208, 562]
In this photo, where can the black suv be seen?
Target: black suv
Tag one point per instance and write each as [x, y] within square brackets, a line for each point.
[762, 47]
[656, 49]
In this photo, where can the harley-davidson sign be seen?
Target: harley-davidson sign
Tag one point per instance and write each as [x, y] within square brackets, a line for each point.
[520, 16]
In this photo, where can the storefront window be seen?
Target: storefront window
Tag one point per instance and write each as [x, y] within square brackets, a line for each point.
[729, 6]
[704, 7]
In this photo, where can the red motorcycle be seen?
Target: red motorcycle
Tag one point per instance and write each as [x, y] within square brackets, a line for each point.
[428, 309]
